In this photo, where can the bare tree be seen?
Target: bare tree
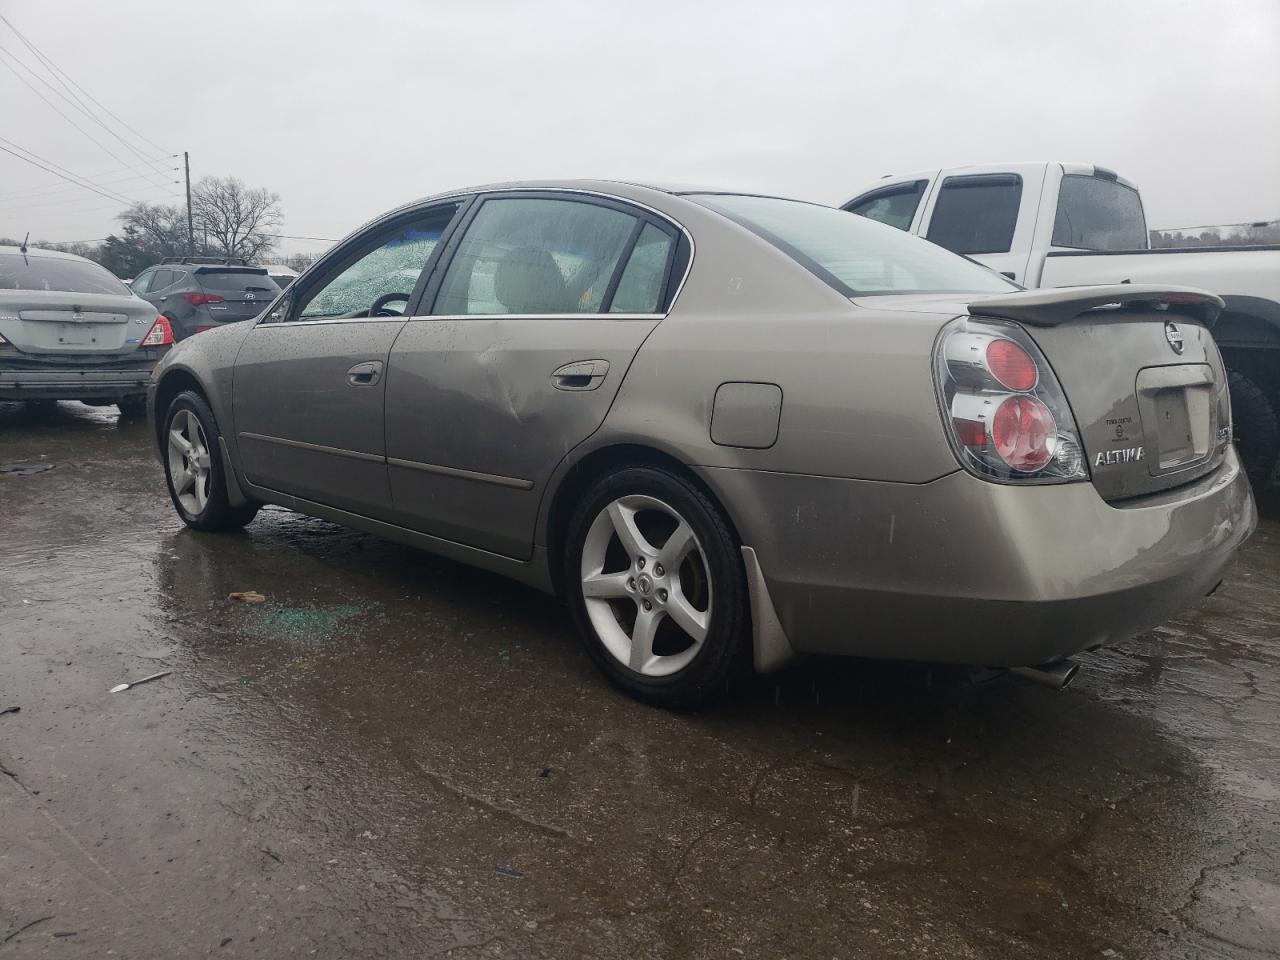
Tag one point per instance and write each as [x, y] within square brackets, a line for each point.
[159, 226]
[234, 220]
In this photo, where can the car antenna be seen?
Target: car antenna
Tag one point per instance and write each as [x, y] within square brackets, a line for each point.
[23, 248]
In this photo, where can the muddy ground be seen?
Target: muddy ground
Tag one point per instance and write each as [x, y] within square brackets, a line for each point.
[396, 756]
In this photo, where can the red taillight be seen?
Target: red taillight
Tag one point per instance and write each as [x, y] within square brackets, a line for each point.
[196, 299]
[1023, 432]
[971, 433]
[1010, 365]
[160, 335]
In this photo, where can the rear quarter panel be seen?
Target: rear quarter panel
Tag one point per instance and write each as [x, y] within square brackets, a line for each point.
[858, 395]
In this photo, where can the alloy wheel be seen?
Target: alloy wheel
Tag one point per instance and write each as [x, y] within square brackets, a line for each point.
[189, 470]
[646, 585]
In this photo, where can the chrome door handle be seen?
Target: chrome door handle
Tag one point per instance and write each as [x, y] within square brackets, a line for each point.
[365, 374]
[580, 375]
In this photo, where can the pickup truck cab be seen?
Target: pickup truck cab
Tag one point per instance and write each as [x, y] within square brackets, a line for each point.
[1064, 225]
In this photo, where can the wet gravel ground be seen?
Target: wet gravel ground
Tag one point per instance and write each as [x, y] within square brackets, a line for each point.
[396, 756]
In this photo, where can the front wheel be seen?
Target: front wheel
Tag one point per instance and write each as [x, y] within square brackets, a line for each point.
[656, 586]
[193, 468]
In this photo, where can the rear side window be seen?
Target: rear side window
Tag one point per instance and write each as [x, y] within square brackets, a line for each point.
[236, 282]
[895, 205]
[1098, 214]
[644, 277]
[161, 279]
[33, 272]
[977, 214]
[534, 255]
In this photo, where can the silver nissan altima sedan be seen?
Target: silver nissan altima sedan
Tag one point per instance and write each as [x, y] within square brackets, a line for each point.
[729, 429]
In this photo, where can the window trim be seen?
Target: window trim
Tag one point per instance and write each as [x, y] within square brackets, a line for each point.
[680, 265]
[643, 214]
[893, 189]
[980, 180]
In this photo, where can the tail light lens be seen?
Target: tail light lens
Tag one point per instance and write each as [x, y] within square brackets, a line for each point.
[197, 299]
[1005, 413]
[160, 334]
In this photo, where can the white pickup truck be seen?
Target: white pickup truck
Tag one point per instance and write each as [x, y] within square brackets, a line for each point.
[1062, 224]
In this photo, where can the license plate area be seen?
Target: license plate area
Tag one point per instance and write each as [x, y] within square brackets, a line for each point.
[1178, 416]
[74, 333]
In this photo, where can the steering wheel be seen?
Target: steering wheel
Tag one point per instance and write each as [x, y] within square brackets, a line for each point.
[379, 306]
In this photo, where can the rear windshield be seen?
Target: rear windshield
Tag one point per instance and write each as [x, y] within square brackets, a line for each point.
[1098, 214]
[31, 272]
[857, 256]
[236, 282]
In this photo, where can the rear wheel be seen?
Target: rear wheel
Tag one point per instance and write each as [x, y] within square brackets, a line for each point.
[193, 468]
[1253, 414]
[656, 586]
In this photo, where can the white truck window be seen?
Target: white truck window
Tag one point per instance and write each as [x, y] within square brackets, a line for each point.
[894, 205]
[1095, 213]
[977, 214]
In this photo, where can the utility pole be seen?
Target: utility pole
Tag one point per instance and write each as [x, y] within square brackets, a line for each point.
[191, 233]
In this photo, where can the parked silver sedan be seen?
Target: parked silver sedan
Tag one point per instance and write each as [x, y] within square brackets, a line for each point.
[69, 330]
[729, 429]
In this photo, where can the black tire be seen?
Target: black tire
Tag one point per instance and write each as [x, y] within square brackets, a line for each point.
[1257, 429]
[132, 408]
[724, 650]
[217, 514]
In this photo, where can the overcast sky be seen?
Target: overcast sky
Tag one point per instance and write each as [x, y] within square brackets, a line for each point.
[349, 108]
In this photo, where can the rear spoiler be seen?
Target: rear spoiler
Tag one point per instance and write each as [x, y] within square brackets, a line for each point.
[1056, 305]
[259, 271]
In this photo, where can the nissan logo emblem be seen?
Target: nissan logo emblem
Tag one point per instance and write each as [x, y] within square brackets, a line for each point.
[1173, 335]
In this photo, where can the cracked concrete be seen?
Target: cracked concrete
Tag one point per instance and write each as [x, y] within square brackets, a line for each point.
[397, 756]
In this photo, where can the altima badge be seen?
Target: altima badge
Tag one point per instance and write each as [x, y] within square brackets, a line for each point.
[1173, 335]
[1109, 458]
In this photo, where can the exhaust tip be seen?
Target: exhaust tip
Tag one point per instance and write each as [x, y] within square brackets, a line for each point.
[1057, 675]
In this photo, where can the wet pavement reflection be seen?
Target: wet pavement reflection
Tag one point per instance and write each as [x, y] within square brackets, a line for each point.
[395, 755]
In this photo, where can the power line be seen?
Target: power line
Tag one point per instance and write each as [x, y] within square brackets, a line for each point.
[92, 177]
[78, 104]
[70, 179]
[286, 236]
[56, 71]
[51, 192]
[58, 111]
[64, 204]
[76, 178]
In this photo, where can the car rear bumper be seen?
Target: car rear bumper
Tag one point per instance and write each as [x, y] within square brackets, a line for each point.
[960, 570]
[73, 383]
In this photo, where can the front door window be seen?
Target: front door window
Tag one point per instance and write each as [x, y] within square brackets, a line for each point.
[380, 281]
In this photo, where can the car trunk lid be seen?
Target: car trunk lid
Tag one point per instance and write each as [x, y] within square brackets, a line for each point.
[235, 293]
[55, 323]
[1142, 375]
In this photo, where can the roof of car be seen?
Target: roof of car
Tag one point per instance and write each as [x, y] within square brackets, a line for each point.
[41, 252]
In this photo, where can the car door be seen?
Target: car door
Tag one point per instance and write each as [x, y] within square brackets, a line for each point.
[545, 299]
[309, 380]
